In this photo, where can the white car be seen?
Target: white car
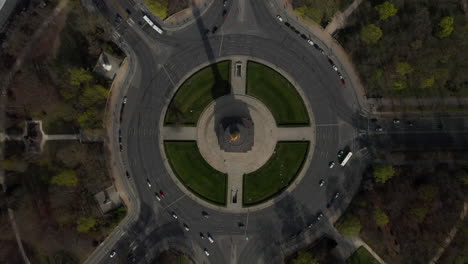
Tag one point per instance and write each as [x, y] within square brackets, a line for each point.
[331, 164]
[310, 42]
[112, 254]
[210, 238]
[186, 227]
[321, 183]
[174, 215]
[207, 253]
[279, 18]
[124, 100]
[148, 182]
[157, 197]
[334, 67]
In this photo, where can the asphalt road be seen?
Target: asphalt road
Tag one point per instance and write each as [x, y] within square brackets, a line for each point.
[250, 29]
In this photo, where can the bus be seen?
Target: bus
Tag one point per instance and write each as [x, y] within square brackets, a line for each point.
[151, 23]
[346, 159]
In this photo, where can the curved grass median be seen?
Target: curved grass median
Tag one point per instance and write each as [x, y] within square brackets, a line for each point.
[278, 94]
[197, 92]
[279, 171]
[194, 172]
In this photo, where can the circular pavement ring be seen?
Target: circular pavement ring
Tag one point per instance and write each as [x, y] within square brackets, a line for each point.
[276, 198]
[265, 134]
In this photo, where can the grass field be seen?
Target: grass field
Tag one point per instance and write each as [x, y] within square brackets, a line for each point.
[194, 172]
[361, 256]
[276, 174]
[197, 92]
[278, 94]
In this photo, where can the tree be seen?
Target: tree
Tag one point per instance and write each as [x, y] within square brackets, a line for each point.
[464, 179]
[79, 76]
[65, 178]
[14, 164]
[158, 7]
[418, 214]
[89, 118]
[93, 95]
[427, 83]
[370, 34]
[313, 13]
[386, 10]
[404, 68]
[383, 173]
[72, 155]
[380, 217]
[304, 257]
[428, 193]
[350, 226]
[445, 27]
[85, 224]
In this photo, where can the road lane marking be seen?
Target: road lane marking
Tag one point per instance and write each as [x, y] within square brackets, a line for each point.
[169, 205]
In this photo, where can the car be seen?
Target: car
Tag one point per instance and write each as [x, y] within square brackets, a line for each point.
[310, 225]
[174, 215]
[241, 225]
[131, 259]
[334, 67]
[112, 254]
[207, 253]
[161, 193]
[128, 11]
[396, 121]
[127, 174]
[340, 154]
[157, 197]
[287, 24]
[321, 183]
[214, 29]
[296, 31]
[124, 101]
[342, 80]
[337, 194]
[224, 13]
[319, 216]
[331, 164]
[304, 36]
[225, 3]
[202, 236]
[186, 227]
[279, 18]
[317, 47]
[210, 238]
[378, 129]
[120, 147]
[148, 182]
[410, 124]
[310, 42]
[205, 214]
[118, 19]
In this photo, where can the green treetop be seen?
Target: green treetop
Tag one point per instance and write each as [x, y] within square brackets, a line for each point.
[65, 178]
[445, 27]
[305, 257]
[386, 10]
[85, 224]
[383, 173]
[370, 34]
[380, 217]
[79, 76]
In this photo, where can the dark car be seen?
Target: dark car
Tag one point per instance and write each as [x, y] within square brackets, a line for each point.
[127, 174]
[214, 29]
[205, 214]
[224, 13]
[287, 24]
[304, 36]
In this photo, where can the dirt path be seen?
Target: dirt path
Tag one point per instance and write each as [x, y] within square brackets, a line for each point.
[451, 235]
[339, 19]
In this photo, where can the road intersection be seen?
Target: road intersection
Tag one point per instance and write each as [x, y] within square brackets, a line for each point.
[251, 29]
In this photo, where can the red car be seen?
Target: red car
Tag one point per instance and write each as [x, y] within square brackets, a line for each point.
[161, 193]
[121, 147]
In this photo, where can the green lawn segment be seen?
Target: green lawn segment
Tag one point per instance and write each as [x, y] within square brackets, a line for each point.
[279, 171]
[194, 172]
[361, 255]
[278, 94]
[197, 92]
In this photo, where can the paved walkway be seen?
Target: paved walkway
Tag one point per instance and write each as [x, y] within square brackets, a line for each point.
[339, 19]
[238, 75]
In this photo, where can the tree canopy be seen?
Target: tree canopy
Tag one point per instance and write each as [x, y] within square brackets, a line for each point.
[79, 76]
[304, 257]
[380, 217]
[371, 34]
[445, 27]
[313, 13]
[65, 178]
[85, 224]
[14, 164]
[383, 173]
[93, 95]
[350, 226]
[404, 68]
[386, 10]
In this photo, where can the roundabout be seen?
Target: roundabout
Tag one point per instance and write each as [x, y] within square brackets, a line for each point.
[239, 140]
